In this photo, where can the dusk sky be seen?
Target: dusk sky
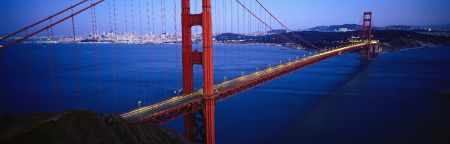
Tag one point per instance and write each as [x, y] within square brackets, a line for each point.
[297, 14]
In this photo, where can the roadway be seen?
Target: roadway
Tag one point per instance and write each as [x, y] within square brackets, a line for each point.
[179, 105]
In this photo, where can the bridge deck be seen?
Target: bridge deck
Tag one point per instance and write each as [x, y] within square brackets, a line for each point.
[179, 105]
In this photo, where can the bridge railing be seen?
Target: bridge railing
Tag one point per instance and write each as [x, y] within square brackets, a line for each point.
[161, 107]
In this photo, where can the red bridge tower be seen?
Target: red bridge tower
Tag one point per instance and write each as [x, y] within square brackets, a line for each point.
[367, 53]
[204, 58]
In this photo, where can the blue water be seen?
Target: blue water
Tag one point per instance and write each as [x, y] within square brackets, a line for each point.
[402, 97]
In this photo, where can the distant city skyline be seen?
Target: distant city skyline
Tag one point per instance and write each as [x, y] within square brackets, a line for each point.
[296, 14]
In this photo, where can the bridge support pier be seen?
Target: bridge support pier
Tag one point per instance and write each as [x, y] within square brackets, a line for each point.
[370, 52]
[205, 58]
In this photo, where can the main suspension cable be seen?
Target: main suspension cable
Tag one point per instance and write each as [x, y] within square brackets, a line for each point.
[284, 37]
[289, 30]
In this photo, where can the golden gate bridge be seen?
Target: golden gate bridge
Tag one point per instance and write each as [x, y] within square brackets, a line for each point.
[198, 106]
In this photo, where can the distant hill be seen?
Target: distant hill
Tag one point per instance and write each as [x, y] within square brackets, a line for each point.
[352, 27]
[80, 127]
[434, 27]
[335, 28]
[417, 28]
[390, 39]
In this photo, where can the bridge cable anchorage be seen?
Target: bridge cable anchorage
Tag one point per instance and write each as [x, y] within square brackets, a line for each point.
[28, 35]
[295, 35]
[282, 36]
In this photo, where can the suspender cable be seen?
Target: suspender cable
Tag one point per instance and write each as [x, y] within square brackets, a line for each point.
[48, 26]
[126, 18]
[52, 61]
[43, 20]
[176, 40]
[147, 38]
[259, 24]
[115, 17]
[232, 43]
[225, 30]
[140, 19]
[154, 37]
[293, 33]
[132, 18]
[23, 80]
[141, 38]
[163, 31]
[238, 39]
[97, 64]
[127, 34]
[110, 18]
[115, 65]
[250, 12]
[148, 19]
[5, 84]
[250, 19]
[216, 25]
[75, 52]
[134, 55]
[94, 22]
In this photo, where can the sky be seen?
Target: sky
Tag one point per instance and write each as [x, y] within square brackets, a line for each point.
[136, 16]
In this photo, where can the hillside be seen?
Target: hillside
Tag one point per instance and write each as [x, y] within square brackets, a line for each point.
[391, 39]
[80, 127]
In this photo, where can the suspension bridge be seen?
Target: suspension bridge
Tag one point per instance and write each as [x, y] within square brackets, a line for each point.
[197, 106]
